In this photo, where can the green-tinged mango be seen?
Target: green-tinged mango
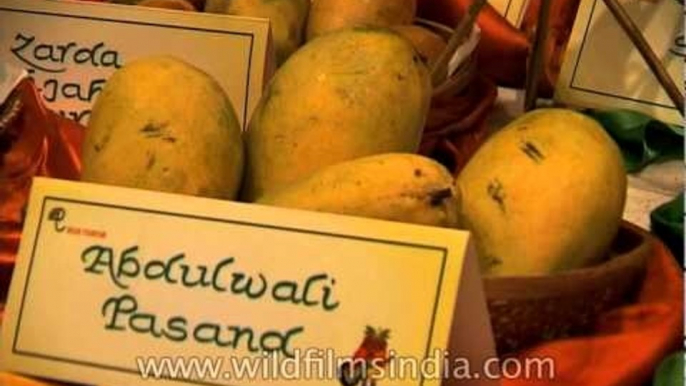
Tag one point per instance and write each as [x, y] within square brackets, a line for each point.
[288, 19]
[345, 95]
[545, 194]
[395, 187]
[162, 124]
[331, 15]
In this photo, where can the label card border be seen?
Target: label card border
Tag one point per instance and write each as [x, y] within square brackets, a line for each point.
[41, 223]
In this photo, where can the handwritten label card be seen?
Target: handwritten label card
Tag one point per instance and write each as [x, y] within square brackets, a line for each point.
[603, 69]
[71, 48]
[110, 279]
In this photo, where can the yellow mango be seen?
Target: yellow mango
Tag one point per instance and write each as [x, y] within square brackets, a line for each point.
[395, 187]
[543, 195]
[162, 124]
[350, 94]
[287, 17]
[331, 15]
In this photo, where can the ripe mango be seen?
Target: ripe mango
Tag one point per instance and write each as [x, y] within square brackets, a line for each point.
[288, 19]
[395, 187]
[543, 195]
[349, 94]
[331, 15]
[162, 124]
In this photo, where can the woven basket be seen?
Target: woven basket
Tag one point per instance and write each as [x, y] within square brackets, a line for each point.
[464, 73]
[529, 310]
[455, 126]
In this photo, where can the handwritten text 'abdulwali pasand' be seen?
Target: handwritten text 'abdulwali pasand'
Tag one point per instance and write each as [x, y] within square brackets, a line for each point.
[52, 62]
[123, 313]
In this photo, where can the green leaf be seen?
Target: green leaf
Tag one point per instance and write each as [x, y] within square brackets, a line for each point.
[671, 371]
[667, 222]
[642, 139]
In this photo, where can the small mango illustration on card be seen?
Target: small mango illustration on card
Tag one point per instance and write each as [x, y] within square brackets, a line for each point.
[367, 365]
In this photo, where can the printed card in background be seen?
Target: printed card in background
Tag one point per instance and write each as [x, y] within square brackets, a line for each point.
[109, 279]
[603, 69]
[71, 48]
[512, 10]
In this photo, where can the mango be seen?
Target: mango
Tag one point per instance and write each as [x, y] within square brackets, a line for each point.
[543, 195]
[331, 15]
[162, 124]
[349, 94]
[395, 187]
[288, 19]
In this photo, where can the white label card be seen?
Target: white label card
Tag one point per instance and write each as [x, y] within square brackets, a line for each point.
[71, 48]
[109, 279]
[603, 69]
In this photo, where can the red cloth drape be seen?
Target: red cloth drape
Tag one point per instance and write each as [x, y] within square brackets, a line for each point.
[45, 144]
[504, 50]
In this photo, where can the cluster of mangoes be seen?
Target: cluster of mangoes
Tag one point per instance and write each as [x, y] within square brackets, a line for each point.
[346, 110]
[337, 130]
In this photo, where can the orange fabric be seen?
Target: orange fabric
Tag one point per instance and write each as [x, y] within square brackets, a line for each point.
[45, 144]
[629, 342]
[503, 52]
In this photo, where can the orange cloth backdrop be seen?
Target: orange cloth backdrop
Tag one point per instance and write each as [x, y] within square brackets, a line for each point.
[45, 145]
[504, 50]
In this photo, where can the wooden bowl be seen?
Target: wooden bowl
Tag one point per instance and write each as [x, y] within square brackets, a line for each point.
[529, 310]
